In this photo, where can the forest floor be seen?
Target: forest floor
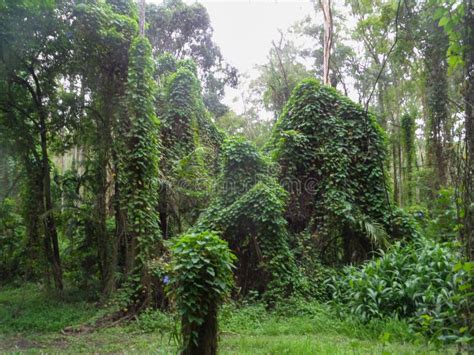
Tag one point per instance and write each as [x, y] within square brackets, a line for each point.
[33, 321]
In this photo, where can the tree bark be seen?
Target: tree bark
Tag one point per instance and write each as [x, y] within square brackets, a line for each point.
[206, 335]
[437, 101]
[328, 31]
[469, 102]
[51, 235]
[141, 21]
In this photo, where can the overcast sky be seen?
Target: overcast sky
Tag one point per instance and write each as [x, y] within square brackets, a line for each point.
[244, 30]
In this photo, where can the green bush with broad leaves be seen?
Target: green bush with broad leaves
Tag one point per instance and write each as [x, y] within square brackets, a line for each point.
[423, 282]
[200, 279]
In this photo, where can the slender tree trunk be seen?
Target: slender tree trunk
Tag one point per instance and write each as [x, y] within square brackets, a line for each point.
[328, 31]
[469, 102]
[396, 191]
[437, 99]
[51, 235]
[142, 7]
[105, 244]
[400, 172]
[32, 208]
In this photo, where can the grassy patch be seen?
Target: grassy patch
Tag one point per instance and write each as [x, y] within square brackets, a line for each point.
[31, 320]
[32, 309]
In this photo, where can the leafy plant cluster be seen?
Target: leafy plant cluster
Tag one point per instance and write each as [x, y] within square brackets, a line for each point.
[200, 279]
[331, 153]
[423, 282]
[248, 210]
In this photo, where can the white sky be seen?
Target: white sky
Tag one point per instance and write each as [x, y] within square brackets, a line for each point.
[244, 30]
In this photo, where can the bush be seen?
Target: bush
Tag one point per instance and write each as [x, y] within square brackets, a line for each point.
[422, 282]
[201, 277]
[12, 241]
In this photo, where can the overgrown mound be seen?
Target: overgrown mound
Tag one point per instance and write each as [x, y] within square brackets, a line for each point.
[191, 144]
[331, 154]
[248, 211]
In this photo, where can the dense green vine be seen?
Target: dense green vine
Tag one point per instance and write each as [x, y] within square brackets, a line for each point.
[191, 144]
[408, 127]
[248, 210]
[140, 171]
[329, 151]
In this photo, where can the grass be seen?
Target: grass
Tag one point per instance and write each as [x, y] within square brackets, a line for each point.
[31, 321]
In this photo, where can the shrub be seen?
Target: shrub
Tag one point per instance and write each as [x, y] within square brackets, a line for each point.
[12, 241]
[201, 277]
[422, 282]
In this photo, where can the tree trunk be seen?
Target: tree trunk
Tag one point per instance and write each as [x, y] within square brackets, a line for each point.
[396, 191]
[32, 207]
[142, 7]
[437, 102]
[469, 101]
[328, 29]
[51, 235]
[400, 171]
[206, 335]
[105, 244]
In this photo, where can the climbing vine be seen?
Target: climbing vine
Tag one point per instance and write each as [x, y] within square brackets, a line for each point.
[140, 170]
[408, 143]
[329, 150]
[201, 278]
[249, 212]
[191, 144]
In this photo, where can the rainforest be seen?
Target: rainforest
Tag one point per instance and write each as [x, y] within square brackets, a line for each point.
[158, 196]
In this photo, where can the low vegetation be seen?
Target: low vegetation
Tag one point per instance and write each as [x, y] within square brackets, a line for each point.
[35, 321]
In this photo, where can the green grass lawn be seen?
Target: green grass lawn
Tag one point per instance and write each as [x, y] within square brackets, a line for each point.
[31, 321]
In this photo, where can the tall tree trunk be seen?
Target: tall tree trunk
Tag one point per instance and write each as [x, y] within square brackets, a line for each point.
[105, 244]
[142, 7]
[51, 235]
[328, 31]
[396, 191]
[437, 101]
[32, 207]
[400, 172]
[469, 102]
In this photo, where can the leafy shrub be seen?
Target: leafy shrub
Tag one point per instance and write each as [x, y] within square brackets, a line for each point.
[201, 277]
[12, 241]
[422, 281]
